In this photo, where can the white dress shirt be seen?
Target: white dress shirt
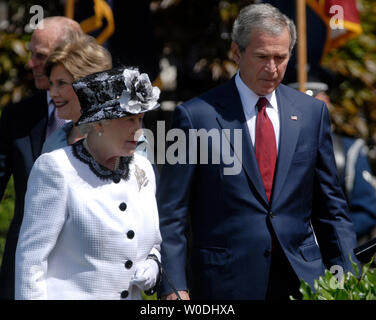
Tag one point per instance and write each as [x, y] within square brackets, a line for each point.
[249, 100]
[82, 235]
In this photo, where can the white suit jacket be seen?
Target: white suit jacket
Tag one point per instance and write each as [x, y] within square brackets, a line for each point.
[82, 236]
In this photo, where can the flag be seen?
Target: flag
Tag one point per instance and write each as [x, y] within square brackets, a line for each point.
[341, 18]
[96, 18]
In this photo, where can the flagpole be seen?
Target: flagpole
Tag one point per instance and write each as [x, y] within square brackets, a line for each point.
[69, 8]
[302, 44]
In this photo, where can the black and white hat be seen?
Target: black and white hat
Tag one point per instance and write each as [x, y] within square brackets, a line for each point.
[115, 93]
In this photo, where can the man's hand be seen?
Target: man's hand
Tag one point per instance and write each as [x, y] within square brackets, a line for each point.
[172, 296]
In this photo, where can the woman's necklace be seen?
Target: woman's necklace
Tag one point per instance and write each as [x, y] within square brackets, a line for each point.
[88, 150]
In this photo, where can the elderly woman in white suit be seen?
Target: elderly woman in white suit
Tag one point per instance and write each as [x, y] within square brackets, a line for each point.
[91, 228]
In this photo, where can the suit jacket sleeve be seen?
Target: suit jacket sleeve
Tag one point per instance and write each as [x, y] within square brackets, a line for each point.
[173, 204]
[332, 225]
[44, 217]
[362, 198]
[5, 150]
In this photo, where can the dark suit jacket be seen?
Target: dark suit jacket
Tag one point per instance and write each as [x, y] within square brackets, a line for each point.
[360, 193]
[22, 134]
[230, 218]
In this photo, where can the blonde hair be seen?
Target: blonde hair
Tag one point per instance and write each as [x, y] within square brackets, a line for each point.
[81, 55]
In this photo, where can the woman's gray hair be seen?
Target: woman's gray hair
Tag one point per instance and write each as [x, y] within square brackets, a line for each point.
[87, 128]
[262, 17]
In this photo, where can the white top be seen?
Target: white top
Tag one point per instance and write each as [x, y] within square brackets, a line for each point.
[249, 100]
[75, 239]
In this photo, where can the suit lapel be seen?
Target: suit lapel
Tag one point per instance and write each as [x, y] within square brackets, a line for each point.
[231, 116]
[38, 131]
[289, 134]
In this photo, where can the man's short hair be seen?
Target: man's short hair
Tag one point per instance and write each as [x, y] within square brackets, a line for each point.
[263, 17]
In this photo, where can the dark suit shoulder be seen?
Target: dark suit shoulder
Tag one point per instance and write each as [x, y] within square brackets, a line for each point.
[210, 99]
[28, 110]
[20, 118]
[29, 105]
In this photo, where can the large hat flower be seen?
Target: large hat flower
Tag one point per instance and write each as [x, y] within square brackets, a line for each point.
[139, 94]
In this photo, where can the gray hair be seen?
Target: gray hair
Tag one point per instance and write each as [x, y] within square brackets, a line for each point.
[87, 128]
[262, 17]
[62, 29]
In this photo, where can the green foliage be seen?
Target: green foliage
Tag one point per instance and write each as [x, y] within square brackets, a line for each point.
[351, 287]
[6, 214]
[354, 98]
[15, 79]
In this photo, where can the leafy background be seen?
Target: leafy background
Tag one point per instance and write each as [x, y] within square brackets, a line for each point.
[360, 285]
[354, 97]
[193, 47]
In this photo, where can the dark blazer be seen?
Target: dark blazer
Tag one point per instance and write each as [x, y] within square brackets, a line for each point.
[231, 221]
[22, 134]
[360, 193]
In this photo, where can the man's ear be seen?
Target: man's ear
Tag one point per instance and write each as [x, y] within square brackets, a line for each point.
[235, 52]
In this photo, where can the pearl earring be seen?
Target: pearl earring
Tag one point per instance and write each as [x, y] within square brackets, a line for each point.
[99, 134]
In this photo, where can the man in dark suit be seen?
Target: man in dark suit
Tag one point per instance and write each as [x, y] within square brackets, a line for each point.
[23, 129]
[282, 216]
[354, 173]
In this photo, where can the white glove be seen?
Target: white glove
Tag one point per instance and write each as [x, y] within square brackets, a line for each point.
[146, 275]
